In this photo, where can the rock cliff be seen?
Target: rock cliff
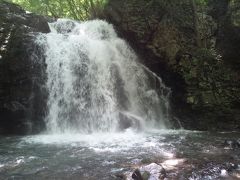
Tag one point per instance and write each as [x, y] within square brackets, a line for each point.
[22, 96]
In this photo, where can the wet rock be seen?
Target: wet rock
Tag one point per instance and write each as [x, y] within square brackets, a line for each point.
[231, 167]
[152, 171]
[156, 171]
[233, 170]
[22, 94]
[232, 144]
[64, 26]
[128, 121]
[137, 175]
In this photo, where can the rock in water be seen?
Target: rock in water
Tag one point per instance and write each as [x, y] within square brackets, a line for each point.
[152, 171]
[232, 144]
[127, 120]
[156, 171]
[137, 175]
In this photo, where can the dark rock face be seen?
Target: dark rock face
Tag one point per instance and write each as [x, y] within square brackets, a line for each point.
[227, 15]
[22, 94]
[194, 48]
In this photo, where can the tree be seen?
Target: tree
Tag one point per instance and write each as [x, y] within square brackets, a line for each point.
[74, 9]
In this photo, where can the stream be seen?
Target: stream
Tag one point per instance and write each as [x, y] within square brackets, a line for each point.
[183, 154]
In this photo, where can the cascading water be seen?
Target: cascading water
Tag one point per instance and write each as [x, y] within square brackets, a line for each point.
[96, 83]
[96, 88]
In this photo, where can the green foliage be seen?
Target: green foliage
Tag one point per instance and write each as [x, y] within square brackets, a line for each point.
[201, 2]
[74, 9]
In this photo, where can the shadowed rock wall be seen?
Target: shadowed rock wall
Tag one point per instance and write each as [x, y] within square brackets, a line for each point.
[22, 94]
[194, 48]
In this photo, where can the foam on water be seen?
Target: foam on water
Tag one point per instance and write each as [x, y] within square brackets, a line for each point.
[126, 141]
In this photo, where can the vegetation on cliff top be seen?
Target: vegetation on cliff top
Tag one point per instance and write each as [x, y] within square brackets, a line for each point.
[74, 9]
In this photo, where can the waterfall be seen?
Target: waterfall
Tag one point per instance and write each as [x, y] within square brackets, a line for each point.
[95, 82]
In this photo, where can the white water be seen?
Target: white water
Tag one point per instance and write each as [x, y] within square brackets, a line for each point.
[121, 142]
[96, 83]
